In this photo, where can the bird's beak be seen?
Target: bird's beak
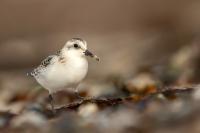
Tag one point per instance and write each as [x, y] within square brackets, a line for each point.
[88, 53]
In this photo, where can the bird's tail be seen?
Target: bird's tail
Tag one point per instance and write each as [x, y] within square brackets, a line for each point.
[29, 74]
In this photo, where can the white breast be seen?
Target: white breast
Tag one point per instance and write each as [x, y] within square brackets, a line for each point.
[65, 75]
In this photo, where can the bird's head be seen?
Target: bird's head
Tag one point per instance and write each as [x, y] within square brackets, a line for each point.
[78, 47]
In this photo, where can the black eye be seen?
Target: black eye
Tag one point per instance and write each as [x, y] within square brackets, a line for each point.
[76, 46]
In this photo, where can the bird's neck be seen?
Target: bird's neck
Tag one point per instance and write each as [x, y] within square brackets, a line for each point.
[73, 56]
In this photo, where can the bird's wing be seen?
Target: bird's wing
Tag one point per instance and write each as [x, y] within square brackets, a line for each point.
[45, 63]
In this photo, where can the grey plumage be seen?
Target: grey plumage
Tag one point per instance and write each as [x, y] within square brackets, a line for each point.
[47, 61]
[43, 64]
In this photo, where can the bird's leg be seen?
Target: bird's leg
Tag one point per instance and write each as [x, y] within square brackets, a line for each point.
[51, 103]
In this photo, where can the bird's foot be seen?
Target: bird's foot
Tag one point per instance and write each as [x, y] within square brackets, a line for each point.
[52, 105]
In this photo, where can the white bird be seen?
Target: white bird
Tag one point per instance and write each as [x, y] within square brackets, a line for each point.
[64, 70]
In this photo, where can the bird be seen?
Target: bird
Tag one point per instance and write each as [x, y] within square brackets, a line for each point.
[65, 69]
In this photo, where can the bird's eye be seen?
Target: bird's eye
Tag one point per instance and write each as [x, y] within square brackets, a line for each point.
[76, 46]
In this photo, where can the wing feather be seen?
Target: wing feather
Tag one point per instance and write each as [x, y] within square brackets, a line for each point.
[45, 63]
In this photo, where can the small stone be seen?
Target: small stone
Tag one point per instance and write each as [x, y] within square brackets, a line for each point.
[142, 83]
[87, 110]
[29, 117]
[196, 94]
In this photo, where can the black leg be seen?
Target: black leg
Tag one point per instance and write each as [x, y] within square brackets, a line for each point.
[51, 103]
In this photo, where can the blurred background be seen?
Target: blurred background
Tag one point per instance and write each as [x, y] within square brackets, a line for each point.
[130, 36]
[125, 34]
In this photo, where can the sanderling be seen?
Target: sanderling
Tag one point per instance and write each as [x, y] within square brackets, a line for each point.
[64, 70]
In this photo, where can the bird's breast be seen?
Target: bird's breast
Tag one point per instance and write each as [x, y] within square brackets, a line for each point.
[76, 69]
[69, 73]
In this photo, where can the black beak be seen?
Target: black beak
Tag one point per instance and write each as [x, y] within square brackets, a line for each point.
[88, 53]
